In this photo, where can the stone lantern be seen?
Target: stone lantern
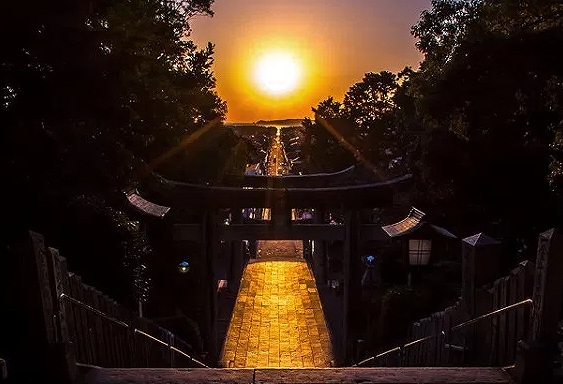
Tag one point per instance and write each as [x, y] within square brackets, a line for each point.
[419, 255]
[419, 251]
[416, 236]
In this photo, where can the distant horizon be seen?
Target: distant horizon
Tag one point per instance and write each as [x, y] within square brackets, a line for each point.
[332, 44]
[267, 121]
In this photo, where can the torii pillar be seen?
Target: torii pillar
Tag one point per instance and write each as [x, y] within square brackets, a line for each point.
[350, 265]
[210, 253]
[319, 252]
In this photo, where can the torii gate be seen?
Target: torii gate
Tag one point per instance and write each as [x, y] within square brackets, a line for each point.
[281, 194]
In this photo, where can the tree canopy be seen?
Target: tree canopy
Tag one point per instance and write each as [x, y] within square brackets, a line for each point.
[363, 122]
[479, 123]
[489, 95]
[90, 92]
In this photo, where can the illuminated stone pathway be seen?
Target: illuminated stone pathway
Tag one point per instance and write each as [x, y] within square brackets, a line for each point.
[278, 319]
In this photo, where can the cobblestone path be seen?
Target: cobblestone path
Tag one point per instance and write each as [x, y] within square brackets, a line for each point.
[278, 319]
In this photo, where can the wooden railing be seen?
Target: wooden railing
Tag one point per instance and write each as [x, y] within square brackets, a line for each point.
[80, 324]
[437, 340]
[104, 333]
[492, 324]
[404, 354]
[491, 342]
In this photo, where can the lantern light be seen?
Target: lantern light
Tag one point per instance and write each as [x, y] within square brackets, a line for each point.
[184, 267]
[419, 251]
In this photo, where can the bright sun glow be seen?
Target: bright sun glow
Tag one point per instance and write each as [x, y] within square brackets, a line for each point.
[277, 73]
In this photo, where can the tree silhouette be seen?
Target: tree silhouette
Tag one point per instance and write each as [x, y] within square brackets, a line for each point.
[487, 97]
[479, 123]
[91, 91]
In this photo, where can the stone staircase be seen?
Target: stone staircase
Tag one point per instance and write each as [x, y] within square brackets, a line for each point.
[486, 375]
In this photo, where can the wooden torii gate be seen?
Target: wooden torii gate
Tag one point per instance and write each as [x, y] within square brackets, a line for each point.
[321, 193]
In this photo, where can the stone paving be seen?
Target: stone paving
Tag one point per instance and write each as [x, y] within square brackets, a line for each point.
[408, 375]
[278, 319]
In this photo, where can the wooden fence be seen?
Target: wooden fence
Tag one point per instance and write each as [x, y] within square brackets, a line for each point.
[491, 341]
[106, 334]
[494, 340]
[429, 342]
[434, 351]
[91, 327]
[439, 340]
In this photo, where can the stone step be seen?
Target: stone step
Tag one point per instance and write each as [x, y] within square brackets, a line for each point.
[409, 375]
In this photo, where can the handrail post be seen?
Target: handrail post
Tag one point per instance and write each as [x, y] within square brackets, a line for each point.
[170, 350]
[401, 357]
[27, 285]
[449, 338]
[534, 359]
[60, 284]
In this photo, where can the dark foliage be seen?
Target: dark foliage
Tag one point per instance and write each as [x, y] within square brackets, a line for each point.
[479, 124]
[91, 91]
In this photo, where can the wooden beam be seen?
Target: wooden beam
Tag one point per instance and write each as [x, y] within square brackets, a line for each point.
[266, 231]
[289, 232]
[205, 196]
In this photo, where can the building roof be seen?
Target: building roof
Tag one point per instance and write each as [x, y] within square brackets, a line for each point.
[145, 206]
[480, 239]
[443, 231]
[409, 224]
[412, 223]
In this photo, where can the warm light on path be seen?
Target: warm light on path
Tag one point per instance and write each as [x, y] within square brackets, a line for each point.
[278, 319]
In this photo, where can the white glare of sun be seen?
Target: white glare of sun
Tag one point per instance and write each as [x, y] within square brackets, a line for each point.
[277, 73]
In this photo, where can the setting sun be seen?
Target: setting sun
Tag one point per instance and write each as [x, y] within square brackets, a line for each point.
[277, 73]
[328, 45]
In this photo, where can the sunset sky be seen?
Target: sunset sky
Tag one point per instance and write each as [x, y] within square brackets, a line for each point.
[318, 47]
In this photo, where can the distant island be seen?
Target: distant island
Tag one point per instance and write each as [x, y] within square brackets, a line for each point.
[268, 123]
[282, 122]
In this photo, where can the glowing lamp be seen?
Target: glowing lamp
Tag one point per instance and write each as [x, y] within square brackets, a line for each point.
[184, 267]
[419, 251]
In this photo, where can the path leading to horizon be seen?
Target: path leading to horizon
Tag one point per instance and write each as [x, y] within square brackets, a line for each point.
[278, 319]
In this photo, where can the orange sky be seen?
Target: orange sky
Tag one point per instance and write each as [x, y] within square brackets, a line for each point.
[336, 41]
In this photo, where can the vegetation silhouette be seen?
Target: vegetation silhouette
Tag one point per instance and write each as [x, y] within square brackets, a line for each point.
[93, 91]
[479, 123]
